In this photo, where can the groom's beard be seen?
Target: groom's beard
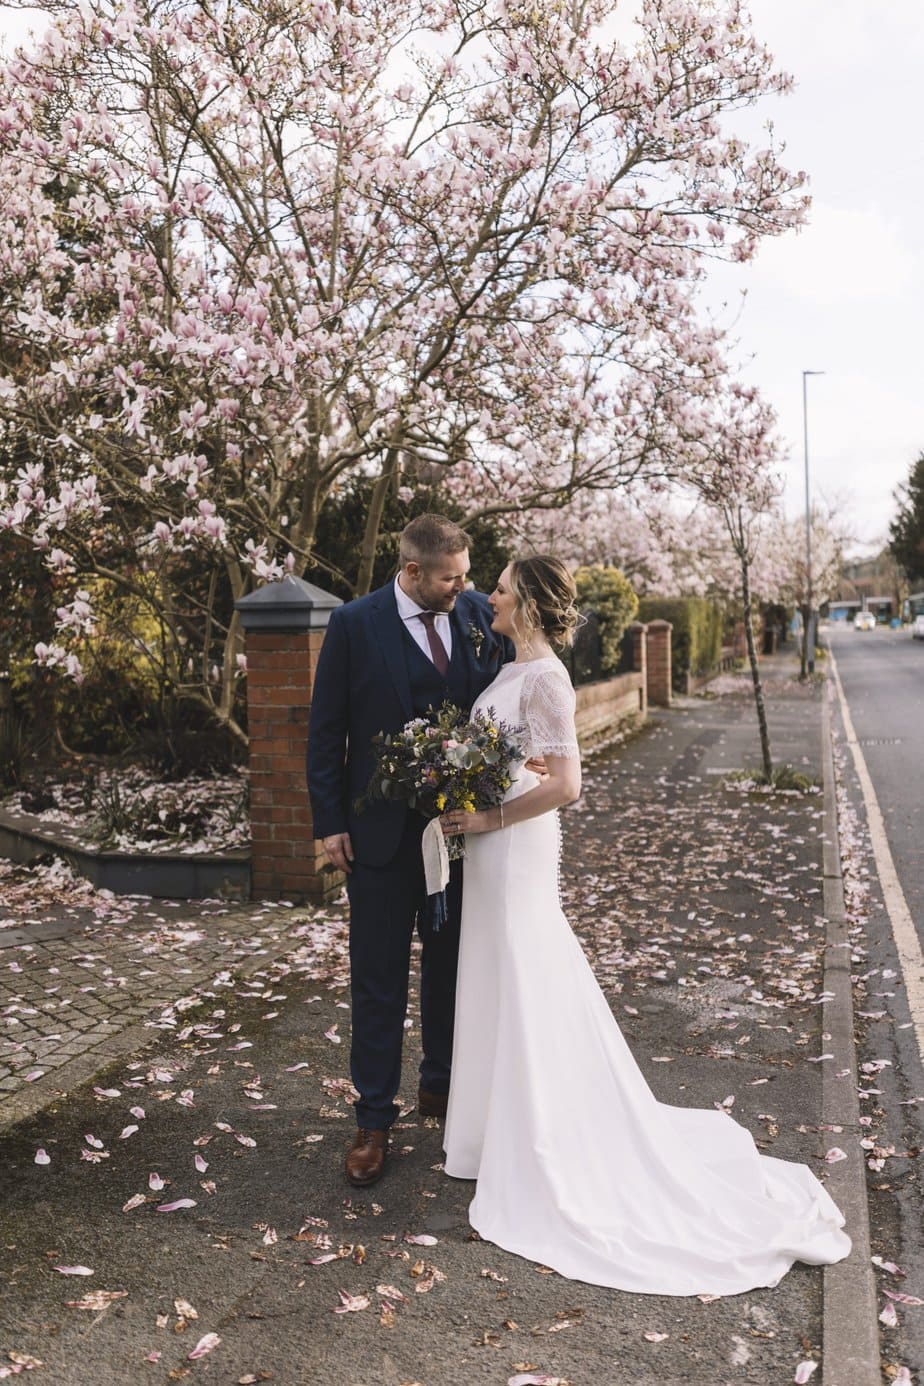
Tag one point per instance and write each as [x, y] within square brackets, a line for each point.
[434, 601]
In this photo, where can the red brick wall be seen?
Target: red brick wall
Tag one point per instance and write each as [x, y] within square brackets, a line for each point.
[285, 859]
[659, 663]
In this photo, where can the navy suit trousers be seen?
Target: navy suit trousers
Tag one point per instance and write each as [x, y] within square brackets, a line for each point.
[385, 904]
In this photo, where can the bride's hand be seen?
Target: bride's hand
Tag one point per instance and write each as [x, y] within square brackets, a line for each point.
[456, 821]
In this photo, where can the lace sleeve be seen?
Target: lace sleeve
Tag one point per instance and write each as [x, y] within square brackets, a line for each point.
[548, 711]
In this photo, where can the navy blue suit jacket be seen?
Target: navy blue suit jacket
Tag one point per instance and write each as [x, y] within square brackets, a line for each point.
[361, 687]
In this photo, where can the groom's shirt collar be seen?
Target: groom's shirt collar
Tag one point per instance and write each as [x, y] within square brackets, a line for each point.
[409, 612]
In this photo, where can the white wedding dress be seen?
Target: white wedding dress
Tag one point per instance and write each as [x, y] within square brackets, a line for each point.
[577, 1165]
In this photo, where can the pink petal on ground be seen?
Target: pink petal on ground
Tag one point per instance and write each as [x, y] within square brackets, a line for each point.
[244, 1140]
[34, 1075]
[424, 1239]
[535, 1379]
[902, 1377]
[889, 1266]
[201, 1165]
[295, 1068]
[804, 1371]
[900, 1298]
[126, 1132]
[155, 1182]
[107, 1092]
[74, 1270]
[323, 1260]
[270, 1237]
[332, 1035]
[889, 1316]
[42, 1157]
[204, 1345]
[137, 1112]
[135, 1201]
[832, 1157]
[351, 1304]
[154, 1356]
[91, 1140]
[177, 1203]
[389, 1292]
[655, 1337]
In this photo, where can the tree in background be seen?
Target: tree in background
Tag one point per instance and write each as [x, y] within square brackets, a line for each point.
[906, 532]
[607, 592]
[250, 252]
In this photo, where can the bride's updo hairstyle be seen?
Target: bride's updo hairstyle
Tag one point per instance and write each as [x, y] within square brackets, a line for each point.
[545, 596]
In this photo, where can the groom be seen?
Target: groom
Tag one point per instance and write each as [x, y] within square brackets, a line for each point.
[417, 642]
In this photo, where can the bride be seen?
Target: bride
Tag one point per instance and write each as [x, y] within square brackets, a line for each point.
[578, 1166]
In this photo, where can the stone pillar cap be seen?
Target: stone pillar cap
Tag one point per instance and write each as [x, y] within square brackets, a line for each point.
[290, 604]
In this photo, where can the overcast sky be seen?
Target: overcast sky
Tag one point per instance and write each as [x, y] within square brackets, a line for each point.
[846, 295]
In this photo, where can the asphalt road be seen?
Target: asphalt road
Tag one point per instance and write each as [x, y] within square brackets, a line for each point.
[882, 677]
[882, 672]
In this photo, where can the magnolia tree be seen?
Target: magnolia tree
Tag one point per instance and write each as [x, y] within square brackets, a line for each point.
[248, 251]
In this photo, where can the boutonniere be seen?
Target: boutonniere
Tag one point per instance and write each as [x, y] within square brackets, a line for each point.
[476, 635]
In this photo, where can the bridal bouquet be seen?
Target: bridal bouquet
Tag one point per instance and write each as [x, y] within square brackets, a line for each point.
[447, 760]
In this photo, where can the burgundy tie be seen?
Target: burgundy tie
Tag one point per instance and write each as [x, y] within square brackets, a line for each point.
[437, 648]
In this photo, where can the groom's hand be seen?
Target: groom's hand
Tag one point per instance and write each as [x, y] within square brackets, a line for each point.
[339, 849]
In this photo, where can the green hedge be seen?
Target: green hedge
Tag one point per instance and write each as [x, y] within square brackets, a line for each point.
[696, 638]
[607, 592]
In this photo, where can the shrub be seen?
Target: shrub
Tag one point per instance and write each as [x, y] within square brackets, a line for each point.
[696, 638]
[607, 592]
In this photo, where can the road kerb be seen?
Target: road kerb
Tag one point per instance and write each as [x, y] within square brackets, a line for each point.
[851, 1334]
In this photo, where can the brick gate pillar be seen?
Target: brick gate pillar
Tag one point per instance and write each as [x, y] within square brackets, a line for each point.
[636, 638]
[284, 624]
[659, 663]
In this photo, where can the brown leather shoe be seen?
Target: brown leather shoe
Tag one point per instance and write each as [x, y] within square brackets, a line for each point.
[431, 1104]
[366, 1159]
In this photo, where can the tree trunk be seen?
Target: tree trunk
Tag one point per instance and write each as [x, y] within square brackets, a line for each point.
[374, 522]
[755, 670]
[803, 671]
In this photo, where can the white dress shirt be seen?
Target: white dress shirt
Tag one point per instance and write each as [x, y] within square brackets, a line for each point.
[409, 612]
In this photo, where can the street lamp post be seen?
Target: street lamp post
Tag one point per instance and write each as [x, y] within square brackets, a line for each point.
[810, 599]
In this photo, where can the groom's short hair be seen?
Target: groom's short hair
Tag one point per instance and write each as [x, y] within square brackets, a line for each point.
[428, 537]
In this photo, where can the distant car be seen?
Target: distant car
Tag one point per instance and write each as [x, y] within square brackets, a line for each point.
[917, 628]
[864, 620]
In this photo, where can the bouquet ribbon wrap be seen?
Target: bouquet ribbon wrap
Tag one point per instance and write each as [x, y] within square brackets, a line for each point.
[436, 869]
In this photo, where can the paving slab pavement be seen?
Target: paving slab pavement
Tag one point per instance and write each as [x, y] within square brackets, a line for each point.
[701, 909]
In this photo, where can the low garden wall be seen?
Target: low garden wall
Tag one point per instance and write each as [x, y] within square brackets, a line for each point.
[165, 875]
[605, 706]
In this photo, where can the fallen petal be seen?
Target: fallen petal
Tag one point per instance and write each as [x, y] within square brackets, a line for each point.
[135, 1201]
[804, 1371]
[204, 1345]
[177, 1203]
[351, 1304]
[42, 1157]
[74, 1270]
